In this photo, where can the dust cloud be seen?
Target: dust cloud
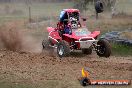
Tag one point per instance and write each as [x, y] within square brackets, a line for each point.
[14, 39]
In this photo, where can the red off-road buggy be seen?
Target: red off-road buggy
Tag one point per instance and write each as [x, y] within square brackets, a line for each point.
[70, 34]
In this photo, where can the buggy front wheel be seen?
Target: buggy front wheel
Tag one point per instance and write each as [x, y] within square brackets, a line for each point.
[103, 48]
[63, 49]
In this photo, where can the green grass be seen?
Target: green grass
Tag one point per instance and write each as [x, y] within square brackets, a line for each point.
[121, 50]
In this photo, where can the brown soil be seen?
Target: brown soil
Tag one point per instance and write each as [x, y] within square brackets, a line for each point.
[34, 68]
[29, 67]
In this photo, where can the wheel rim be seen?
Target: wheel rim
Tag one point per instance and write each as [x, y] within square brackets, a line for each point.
[61, 50]
[101, 49]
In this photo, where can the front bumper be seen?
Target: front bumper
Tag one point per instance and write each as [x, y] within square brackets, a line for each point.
[86, 42]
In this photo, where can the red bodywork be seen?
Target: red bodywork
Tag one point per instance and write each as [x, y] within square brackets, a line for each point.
[53, 32]
[71, 10]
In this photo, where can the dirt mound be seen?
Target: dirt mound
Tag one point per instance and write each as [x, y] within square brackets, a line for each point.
[126, 34]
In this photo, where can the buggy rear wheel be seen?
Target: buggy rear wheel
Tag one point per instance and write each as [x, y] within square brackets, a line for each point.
[63, 49]
[103, 48]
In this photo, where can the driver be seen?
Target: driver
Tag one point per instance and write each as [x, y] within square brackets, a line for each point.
[67, 29]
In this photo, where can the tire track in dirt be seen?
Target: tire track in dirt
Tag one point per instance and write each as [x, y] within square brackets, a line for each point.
[39, 67]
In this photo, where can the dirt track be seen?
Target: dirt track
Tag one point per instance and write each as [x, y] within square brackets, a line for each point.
[22, 67]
